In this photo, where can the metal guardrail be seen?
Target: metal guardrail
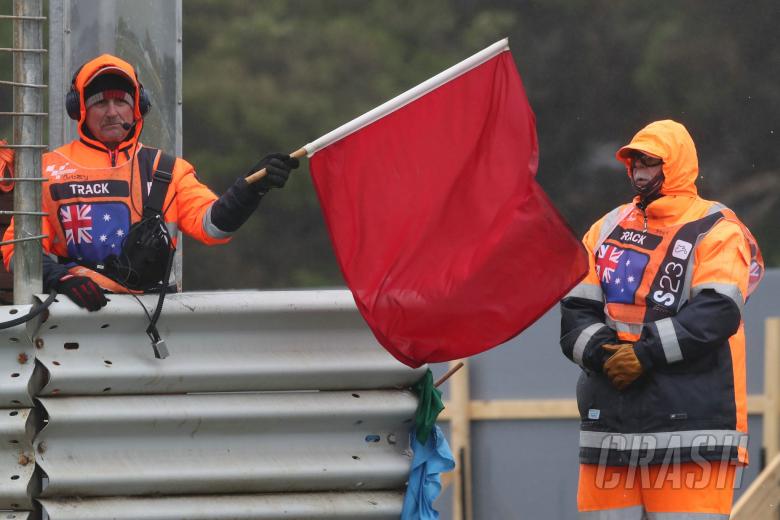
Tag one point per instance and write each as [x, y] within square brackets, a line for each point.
[17, 417]
[299, 506]
[272, 404]
[225, 443]
[219, 342]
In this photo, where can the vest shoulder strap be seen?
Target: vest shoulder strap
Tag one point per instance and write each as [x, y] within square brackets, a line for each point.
[160, 179]
[676, 269]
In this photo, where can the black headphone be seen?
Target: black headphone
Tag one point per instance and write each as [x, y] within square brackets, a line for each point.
[73, 98]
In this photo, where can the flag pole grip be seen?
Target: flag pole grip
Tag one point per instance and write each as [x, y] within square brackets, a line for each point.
[297, 154]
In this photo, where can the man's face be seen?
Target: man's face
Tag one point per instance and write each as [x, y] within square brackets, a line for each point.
[104, 119]
[644, 168]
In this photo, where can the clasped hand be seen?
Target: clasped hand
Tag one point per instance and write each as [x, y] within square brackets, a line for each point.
[623, 366]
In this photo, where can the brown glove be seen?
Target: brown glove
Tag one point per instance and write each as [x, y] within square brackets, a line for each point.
[622, 367]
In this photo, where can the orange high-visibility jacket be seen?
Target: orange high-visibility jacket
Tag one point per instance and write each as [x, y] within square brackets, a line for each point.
[673, 280]
[94, 194]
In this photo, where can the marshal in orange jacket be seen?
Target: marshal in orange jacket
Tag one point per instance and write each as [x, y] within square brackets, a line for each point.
[672, 279]
[95, 193]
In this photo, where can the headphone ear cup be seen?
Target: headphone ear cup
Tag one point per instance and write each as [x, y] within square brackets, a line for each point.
[144, 103]
[72, 101]
[73, 104]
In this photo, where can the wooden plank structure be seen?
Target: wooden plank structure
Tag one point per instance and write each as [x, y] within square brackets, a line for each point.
[759, 502]
[772, 388]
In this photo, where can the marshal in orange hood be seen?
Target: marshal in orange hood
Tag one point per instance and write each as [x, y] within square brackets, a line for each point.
[670, 141]
[103, 64]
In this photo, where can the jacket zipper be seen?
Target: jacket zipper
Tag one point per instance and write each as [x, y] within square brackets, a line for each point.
[112, 154]
[642, 207]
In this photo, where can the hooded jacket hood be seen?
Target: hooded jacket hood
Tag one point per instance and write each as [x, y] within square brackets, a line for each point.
[107, 64]
[670, 141]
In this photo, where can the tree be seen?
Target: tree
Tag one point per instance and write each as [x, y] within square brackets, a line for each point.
[272, 75]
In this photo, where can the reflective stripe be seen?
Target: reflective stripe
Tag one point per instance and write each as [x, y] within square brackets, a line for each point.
[716, 206]
[582, 341]
[587, 291]
[686, 516]
[210, 229]
[662, 440]
[726, 289]
[624, 513]
[669, 342]
[621, 326]
[173, 228]
[610, 222]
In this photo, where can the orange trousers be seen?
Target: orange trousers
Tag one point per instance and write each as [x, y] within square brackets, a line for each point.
[656, 492]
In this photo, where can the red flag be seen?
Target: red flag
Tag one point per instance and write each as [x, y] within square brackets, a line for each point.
[444, 237]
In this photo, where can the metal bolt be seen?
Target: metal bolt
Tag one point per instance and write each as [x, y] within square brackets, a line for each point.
[39, 343]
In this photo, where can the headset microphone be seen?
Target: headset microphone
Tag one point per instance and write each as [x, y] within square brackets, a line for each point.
[127, 126]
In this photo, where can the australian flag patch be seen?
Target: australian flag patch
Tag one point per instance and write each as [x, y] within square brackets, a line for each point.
[620, 272]
[94, 231]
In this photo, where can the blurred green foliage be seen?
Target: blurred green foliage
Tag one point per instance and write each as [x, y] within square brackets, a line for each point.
[272, 75]
[6, 71]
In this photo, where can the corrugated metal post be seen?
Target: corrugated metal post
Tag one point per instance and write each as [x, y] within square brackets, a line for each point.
[178, 258]
[772, 388]
[28, 134]
[59, 71]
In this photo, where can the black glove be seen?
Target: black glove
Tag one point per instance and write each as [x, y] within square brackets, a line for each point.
[83, 291]
[235, 206]
[278, 167]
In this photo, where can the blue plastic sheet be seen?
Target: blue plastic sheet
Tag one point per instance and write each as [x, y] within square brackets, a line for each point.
[430, 460]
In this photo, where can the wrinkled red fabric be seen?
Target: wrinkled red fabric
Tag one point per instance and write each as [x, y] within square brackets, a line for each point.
[444, 237]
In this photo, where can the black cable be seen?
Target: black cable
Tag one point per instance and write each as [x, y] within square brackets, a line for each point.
[146, 311]
[163, 291]
[34, 311]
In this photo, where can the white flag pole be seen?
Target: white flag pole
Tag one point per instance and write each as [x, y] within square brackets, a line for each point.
[396, 103]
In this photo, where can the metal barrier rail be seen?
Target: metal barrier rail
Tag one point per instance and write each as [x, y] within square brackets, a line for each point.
[219, 342]
[366, 505]
[225, 443]
[270, 401]
[18, 420]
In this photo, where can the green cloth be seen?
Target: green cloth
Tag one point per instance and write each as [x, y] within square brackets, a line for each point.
[429, 408]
